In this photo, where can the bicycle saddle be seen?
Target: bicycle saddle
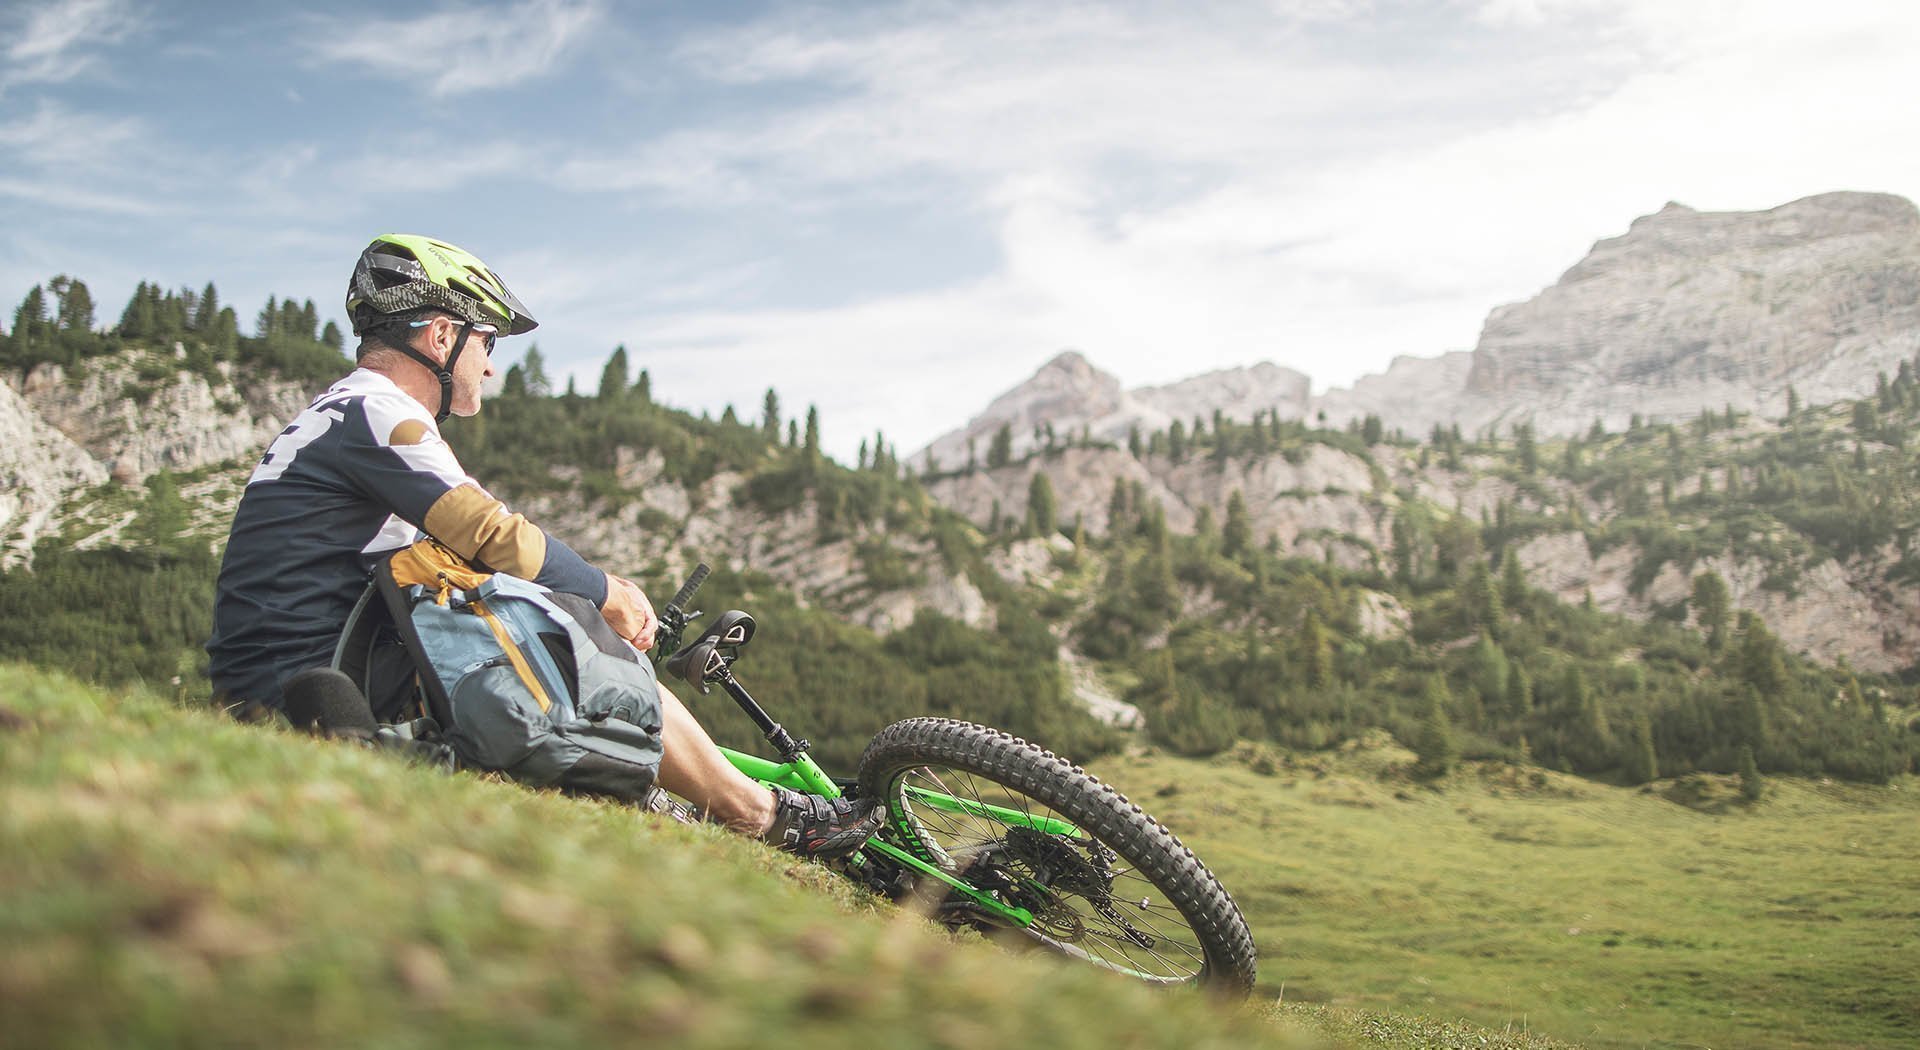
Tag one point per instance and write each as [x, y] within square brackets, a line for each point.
[707, 657]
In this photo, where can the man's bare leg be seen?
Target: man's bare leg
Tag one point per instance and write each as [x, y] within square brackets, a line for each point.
[694, 769]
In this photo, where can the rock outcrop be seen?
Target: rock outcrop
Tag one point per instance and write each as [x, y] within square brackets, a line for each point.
[1075, 398]
[1686, 310]
[1696, 309]
[138, 414]
[40, 471]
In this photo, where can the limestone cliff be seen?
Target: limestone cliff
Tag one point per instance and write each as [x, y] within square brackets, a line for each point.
[1075, 398]
[1693, 309]
[140, 412]
[41, 470]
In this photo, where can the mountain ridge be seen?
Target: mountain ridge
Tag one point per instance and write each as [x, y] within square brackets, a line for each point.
[1680, 313]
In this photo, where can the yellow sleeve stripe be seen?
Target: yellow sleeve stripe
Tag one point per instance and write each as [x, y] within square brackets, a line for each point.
[477, 526]
[518, 658]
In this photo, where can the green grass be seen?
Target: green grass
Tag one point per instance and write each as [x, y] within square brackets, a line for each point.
[172, 878]
[1539, 903]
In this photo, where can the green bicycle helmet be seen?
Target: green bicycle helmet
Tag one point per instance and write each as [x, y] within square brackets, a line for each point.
[400, 273]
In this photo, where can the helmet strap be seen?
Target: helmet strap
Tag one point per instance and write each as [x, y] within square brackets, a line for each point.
[443, 372]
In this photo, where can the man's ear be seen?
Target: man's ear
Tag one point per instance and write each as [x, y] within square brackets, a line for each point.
[432, 348]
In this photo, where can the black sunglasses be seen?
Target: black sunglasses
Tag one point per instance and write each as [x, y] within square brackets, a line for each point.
[488, 333]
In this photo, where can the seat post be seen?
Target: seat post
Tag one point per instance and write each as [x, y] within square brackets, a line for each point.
[776, 734]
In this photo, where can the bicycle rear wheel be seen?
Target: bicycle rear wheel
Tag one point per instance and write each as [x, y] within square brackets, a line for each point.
[1105, 882]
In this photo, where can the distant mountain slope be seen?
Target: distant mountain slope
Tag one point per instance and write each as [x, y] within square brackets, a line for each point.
[1696, 309]
[40, 467]
[1686, 310]
[1072, 397]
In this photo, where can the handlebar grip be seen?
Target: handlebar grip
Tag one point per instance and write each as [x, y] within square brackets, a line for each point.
[693, 583]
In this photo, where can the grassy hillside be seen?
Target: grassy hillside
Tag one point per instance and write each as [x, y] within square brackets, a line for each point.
[1617, 917]
[176, 879]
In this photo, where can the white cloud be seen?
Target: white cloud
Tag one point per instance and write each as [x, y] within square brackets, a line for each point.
[1319, 206]
[993, 90]
[457, 50]
[52, 40]
[77, 198]
[57, 137]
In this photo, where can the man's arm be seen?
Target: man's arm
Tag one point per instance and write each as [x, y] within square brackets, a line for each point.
[400, 462]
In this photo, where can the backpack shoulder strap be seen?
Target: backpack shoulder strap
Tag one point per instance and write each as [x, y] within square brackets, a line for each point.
[405, 564]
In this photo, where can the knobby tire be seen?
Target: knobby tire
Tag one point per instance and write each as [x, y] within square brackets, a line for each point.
[909, 752]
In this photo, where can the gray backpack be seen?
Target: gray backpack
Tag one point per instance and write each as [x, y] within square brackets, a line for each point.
[524, 681]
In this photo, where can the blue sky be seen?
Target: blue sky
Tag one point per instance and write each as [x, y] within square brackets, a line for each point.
[896, 211]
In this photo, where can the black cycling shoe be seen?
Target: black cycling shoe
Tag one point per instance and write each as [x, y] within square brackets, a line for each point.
[814, 826]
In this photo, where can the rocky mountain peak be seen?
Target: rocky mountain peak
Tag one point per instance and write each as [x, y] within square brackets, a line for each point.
[1070, 379]
[1679, 234]
[1073, 396]
[1689, 309]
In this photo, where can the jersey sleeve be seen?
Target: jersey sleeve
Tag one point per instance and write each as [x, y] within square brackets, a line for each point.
[403, 463]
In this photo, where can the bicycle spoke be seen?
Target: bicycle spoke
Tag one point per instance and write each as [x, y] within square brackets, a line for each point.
[972, 825]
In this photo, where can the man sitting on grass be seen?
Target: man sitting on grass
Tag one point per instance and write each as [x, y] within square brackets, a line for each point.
[363, 472]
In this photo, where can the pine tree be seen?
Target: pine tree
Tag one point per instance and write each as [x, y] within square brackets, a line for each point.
[1711, 605]
[1759, 662]
[1528, 453]
[1177, 442]
[29, 341]
[1642, 764]
[1750, 718]
[1040, 505]
[1316, 652]
[1000, 452]
[535, 365]
[1490, 670]
[1434, 744]
[165, 515]
[1489, 612]
[1593, 742]
[76, 305]
[331, 336]
[1513, 582]
[770, 417]
[1751, 786]
[1519, 691]
[206, 309]
[1117, 507]
[810, 444]
[1237, 536]
[226, 335]
[266, 324]
[614, 377]
[643, 388]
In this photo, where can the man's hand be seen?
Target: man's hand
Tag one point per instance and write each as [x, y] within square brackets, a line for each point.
[629, 613]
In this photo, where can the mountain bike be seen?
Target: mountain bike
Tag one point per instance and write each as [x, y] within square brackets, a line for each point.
[991, 833]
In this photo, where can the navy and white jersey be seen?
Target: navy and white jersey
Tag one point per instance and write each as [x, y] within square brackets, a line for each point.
[361, 472]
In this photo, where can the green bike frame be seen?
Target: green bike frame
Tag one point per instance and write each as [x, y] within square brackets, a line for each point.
[803, 774]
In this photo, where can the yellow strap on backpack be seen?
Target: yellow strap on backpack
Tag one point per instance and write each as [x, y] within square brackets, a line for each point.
[514, 655]
[431, 564]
